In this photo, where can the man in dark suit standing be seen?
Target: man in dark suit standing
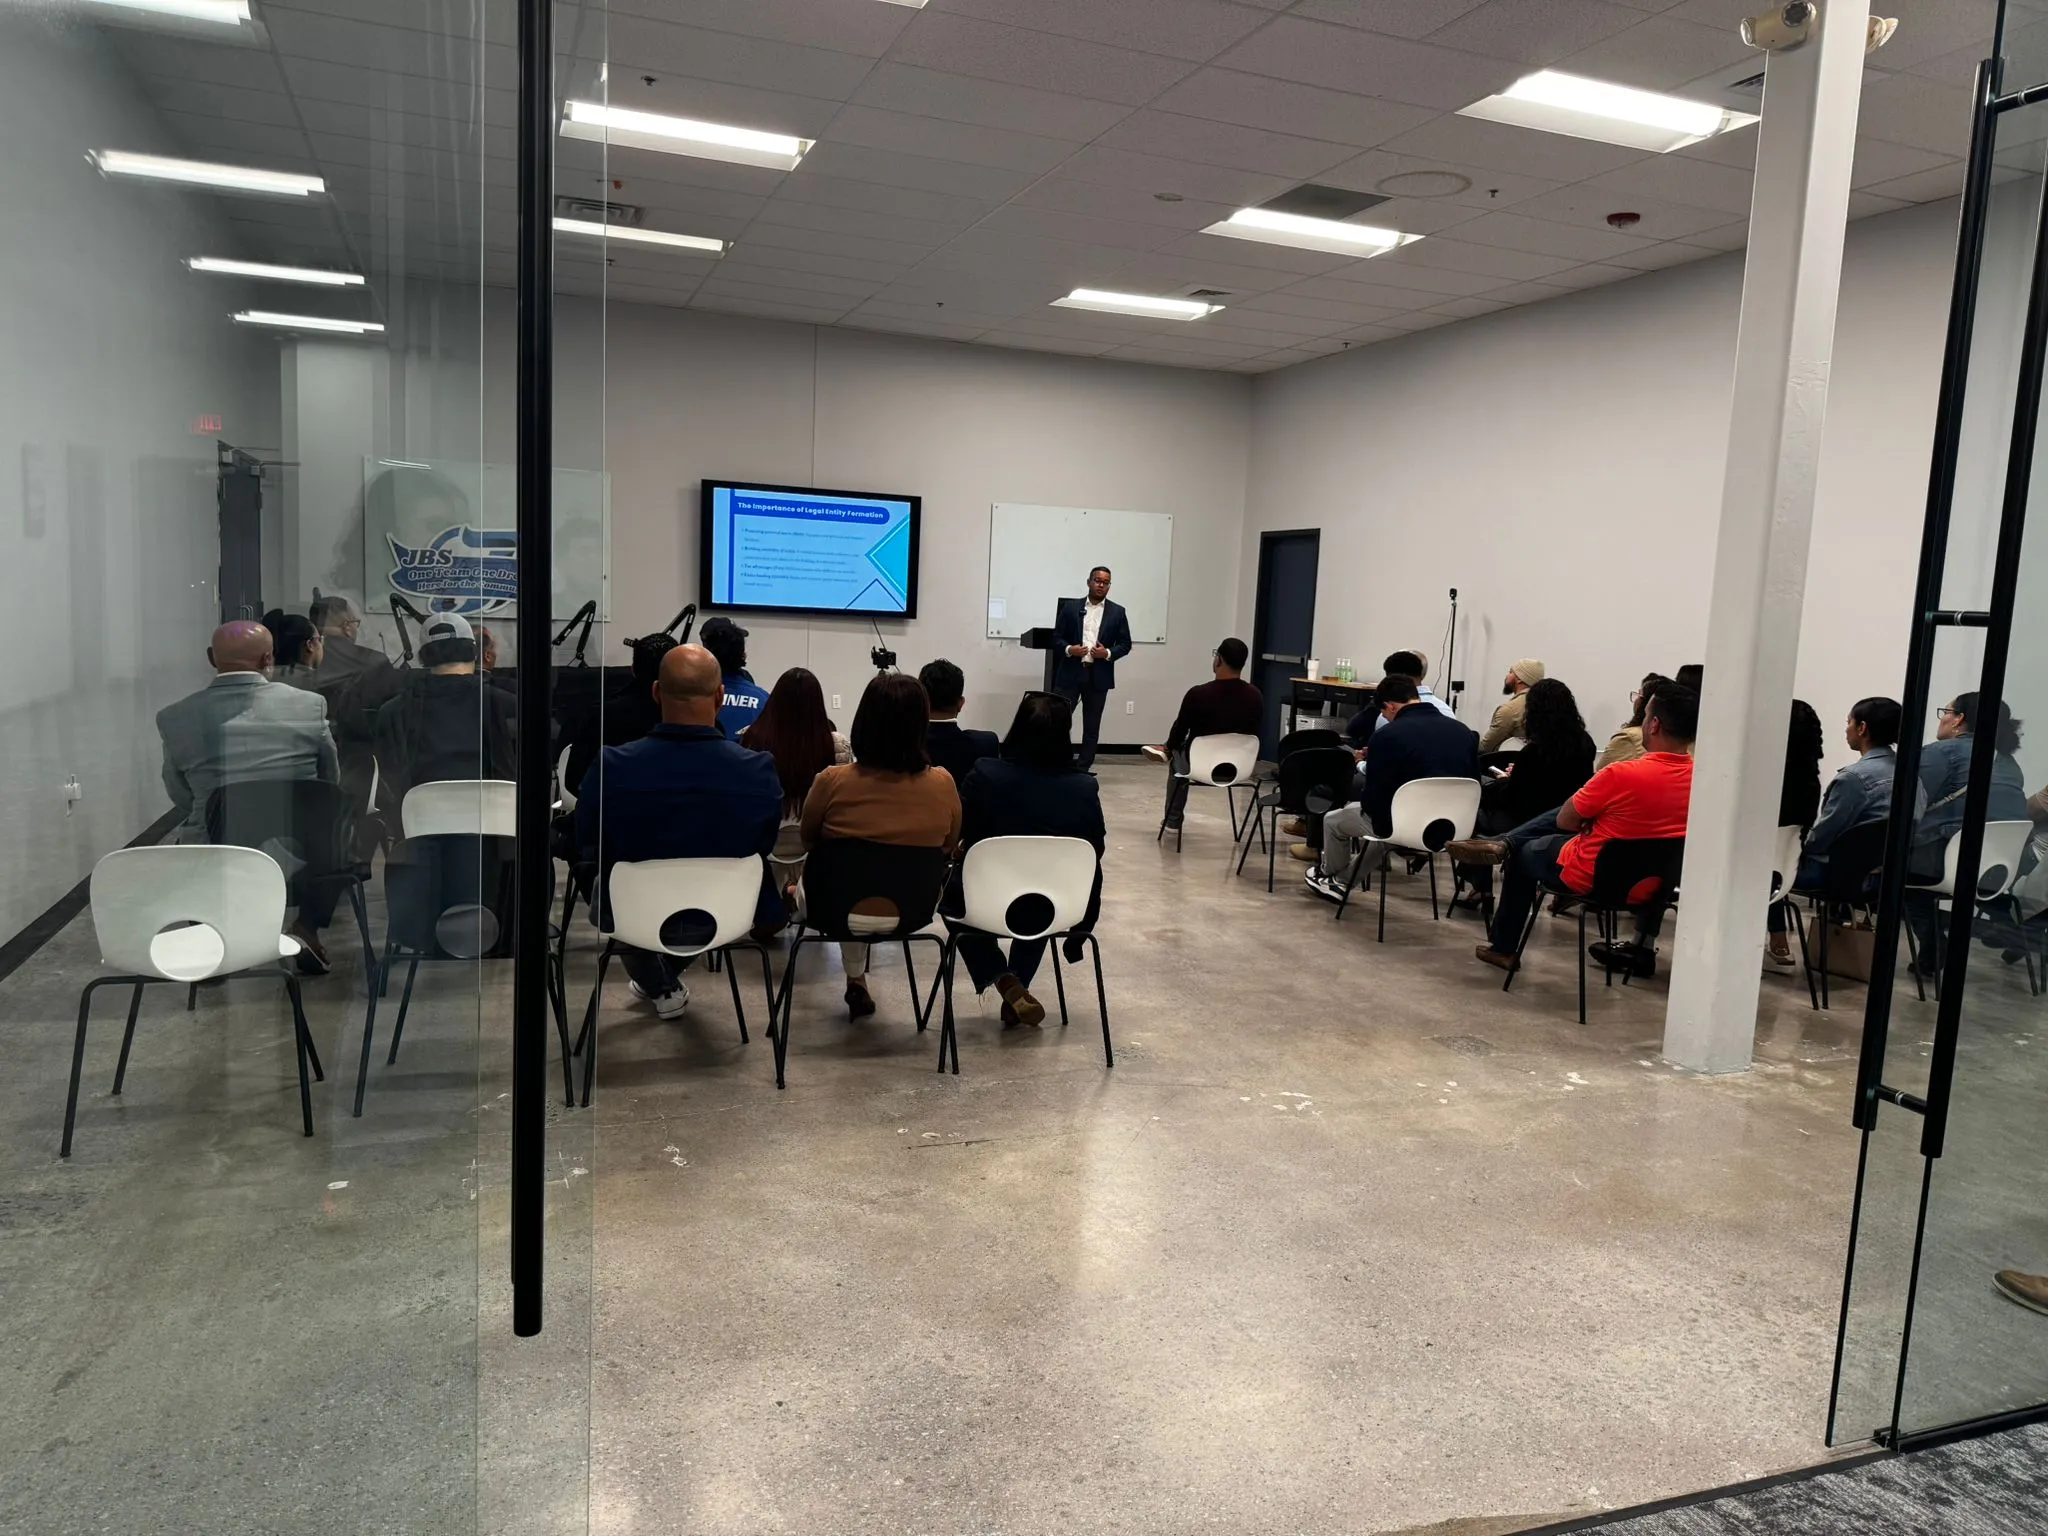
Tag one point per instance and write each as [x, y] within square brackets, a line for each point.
[1094, 635]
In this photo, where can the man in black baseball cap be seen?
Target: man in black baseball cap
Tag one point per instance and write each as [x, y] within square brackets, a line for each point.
[744, 699]
[447, 724]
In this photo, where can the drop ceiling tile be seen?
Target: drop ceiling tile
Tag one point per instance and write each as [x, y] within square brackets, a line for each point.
[822, 227]
[1590, 207]
[1520, 233]
[1659, 53]
[1904, 109]
[865, 30]
[676, 93]
[242, 143]
[959, 99]
[739, 269]
[1277, 106]
[989, 51]
[861, 320]
[637, 45]
[402, 50]
[1148, 357]
[1729, 237]
[313, 80]
[1930, 29]
[1467, 256]
[1131, 205]
[1476, 147]
[409, 129]
[1923, 186]
[155, 55]
[905, 133]
[1878, 161]
[1086, 261]
[1256, 253]
[1390, 18]
[925, 216]
[1171, 136]
[1175, 272]
[927, 313]
[1344, 59]
[1592, 275]
[1671, 253]
[1528, 293]
[921, 173]
[1332, 311]
[1391, 301]
[1181, 29]
[1421, 320]
[767, 309]
[1239, 321]
[1446, 282]
[1867, 205]
[1468, 309]
[1485, 190]
[1419, 215]
[1024, 341]
[1079, 229]
[670, 205]
[1194, 340]
[837, 263]
[1535, 32]
[1157, 173]
[1695, 183]
[226, 102]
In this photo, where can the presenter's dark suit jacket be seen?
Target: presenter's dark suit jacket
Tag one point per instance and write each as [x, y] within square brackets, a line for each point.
[1075, 676]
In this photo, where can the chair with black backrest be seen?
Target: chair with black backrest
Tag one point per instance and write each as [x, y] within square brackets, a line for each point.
[1998, 871]
[1306, 698]
[1024, 888]
[684, 908]
[1846, 881]
[1310, 782]
[448, 895]
[1427, 814]
[843, 873]
[1629, 875]
[186, 914]
[1228, 763]
[309, 827]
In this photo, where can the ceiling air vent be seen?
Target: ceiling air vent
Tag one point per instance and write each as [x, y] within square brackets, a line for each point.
[596, 210]
[1313, 201]
[1207, 295]
[1748, 85]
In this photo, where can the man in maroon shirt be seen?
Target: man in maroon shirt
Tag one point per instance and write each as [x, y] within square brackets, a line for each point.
[1227, 706]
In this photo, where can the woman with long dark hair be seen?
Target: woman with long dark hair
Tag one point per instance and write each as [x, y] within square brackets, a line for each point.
[1555, 762]
[890, 793]
[794, 729]
[1032, 790]
[1799, 799]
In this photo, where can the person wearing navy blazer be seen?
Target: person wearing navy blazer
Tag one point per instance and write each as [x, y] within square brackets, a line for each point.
[1093, 635]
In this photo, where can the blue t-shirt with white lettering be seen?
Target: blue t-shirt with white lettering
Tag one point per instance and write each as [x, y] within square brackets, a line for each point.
[743, 702]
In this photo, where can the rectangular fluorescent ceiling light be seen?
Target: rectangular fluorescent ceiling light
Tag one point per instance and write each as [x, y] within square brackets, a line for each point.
[599, 231]
[1310, 234]
[682, 136]
[1143, 304]
[322, 276]
[1552, 102]
[306, 322]
[228, 13]
[201, 173]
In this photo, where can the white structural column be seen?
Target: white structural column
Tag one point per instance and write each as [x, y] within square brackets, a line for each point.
[1790, 284]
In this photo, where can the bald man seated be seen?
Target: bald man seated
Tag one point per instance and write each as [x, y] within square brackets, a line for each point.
[240, 727]
[682, 791]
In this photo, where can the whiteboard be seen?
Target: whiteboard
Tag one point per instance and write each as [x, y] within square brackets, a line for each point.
[1038, 555]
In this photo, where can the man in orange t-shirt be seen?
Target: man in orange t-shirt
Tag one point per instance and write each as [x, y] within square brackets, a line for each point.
[1646, 797]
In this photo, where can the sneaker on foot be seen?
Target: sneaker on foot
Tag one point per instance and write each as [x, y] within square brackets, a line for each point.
[2030, 1291]
[1477, 850]
[669, 1004]
[1631, 959]
[1303, 852]
[1157, 754]
[1323, 885]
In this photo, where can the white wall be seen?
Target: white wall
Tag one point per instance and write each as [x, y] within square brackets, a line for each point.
[1560, 464]
[109, 537]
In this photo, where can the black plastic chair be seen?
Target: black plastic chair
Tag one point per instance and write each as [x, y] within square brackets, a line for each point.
[448, 896]
[1853, 865]
[1310, 782]
[839, 875]
[1629, 875]
[309, 827]
[1306, 741]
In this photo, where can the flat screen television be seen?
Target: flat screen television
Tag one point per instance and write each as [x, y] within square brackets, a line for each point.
[798, 549]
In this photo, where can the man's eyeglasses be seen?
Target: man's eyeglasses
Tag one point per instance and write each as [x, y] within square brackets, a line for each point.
[1943, 712]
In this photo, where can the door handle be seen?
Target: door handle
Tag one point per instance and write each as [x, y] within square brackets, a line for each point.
[1291, 660]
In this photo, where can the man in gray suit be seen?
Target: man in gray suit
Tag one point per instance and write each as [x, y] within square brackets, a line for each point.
[243, 726]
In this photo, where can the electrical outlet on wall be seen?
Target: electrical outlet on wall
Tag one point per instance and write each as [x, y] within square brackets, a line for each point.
[835, 702]
[73, 793]
[1130, 706]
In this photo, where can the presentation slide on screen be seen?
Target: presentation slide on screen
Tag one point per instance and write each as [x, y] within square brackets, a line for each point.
[799, 549]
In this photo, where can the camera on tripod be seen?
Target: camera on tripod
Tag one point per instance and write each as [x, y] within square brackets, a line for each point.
[883, 658]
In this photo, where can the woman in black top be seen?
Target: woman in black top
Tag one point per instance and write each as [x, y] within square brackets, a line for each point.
[1555, 762]
[1799, 800]
[1032, 790]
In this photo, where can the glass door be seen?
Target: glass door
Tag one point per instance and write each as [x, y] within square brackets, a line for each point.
[1945, 1306]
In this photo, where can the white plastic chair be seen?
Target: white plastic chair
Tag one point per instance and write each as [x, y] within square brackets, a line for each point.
[1225, 763]
[647, 897]
[1426, 814]
[1024, 888]
[229, 903]
[1998, 870]
[1785, 867]
[471, 807]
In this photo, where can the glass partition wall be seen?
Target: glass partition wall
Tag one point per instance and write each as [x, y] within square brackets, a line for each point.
[259, 537]
[1937, 1330]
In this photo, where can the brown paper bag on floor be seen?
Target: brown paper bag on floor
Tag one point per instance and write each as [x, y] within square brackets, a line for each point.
[1850, 948]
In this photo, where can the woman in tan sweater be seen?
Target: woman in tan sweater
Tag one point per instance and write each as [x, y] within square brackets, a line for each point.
[890, 793]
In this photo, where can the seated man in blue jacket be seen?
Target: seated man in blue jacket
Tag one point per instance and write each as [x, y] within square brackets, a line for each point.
[683, 791]
[1414, 740]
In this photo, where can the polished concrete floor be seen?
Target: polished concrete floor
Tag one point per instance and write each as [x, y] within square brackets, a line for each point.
[1347, 1241]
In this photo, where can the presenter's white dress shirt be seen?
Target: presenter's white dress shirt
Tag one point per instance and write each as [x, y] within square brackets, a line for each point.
[1091, 626]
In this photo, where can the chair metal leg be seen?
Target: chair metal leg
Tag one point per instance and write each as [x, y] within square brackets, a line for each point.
[1582, 962]
[1827, 999]
[369, 1028]
[302, 1038]
[127, 1038]
[1244, 846]
[590, 1022]
[1272, 852]
[412, 970]
[1913, 960]
[1102, 1002]
[910, 974]
[949, 1035]
[1805, 953]
[767, 987]
[1059, 981]
[732, 976]
[785, 1004]
[559, 987]
[1528, 931]
[78, 1059]
[362, 910]
[192, 998]
[1384, 883]
[1435, 912]
[1351, 873]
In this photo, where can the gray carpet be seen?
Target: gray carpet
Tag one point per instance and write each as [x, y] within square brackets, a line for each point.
[1995, 1486]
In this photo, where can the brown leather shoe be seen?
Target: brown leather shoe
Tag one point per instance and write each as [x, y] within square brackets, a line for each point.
[1019, 1006]
[1303, 852]
[1294, 826]
[2030, 1291]
[1493, 957]
[1477, 850]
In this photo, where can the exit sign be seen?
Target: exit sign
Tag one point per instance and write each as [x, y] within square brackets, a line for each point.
[203, 426]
